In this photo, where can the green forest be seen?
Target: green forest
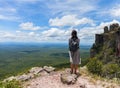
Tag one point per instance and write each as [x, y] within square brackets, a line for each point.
[18, 58]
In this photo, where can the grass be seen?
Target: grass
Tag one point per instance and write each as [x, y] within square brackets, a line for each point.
[94, 78]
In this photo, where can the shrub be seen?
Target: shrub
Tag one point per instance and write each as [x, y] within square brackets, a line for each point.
[10, 84]
[95, 66]
[111, 71]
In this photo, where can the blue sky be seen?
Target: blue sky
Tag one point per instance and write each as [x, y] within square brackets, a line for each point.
[53, 20]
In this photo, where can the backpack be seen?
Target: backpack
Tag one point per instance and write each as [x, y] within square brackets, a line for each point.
[74, 45]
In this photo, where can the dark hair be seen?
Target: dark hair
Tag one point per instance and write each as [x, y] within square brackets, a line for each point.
[74, 34]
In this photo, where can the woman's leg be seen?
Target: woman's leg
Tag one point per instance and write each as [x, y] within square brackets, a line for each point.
[76, 67]
[72, 67]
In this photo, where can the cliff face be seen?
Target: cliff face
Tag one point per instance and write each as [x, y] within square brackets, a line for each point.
[107, 45]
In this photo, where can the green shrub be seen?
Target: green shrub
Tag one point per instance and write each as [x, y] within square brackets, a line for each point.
[10, 84]
[111, 71]
[95, 66]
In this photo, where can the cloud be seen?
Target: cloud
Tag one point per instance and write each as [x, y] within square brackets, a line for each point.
[8, 13]
[65, 7]
[29, 26]
[115, 11]
[86, 34]
[27, 1]
[9, 17]
[69, 20]
[103, 24]
[53, 32]
[7, 9]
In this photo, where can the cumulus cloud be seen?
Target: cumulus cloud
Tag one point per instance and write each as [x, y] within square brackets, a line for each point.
[70, 20]
[53, 32]
[86, 34]
[29, 26]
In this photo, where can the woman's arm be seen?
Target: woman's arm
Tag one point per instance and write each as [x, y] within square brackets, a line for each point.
[69, 43]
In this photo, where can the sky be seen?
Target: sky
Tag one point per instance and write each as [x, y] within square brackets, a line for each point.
[53, 20]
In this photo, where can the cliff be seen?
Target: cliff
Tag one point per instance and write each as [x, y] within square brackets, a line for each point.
[107, 45]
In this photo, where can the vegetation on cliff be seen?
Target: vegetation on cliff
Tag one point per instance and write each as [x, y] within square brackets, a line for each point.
[106, 50]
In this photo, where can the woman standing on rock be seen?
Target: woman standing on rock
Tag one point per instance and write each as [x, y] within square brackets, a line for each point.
[74, 52]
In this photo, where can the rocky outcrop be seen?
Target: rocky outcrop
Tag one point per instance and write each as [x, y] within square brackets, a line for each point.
[107, 44]
[61, 79]
[54, 81]
[32, 73]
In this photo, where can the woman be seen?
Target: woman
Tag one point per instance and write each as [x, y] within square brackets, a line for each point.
[74, 52]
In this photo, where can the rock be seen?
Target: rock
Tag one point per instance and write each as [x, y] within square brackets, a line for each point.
[106, 29]
[93, 50]
[83, 86]
[48, 69]
[36, 70]
[68, 78]
[10, 78]
[24, 77]
[43, 73]
[114, 27]
[99, 39]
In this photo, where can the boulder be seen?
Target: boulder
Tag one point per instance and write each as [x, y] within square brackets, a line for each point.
[68, 78]
[24, 77]
[43, 73]
[36, 70]
[48, 69]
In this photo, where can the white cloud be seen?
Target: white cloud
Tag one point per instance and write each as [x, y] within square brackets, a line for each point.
[8, 13]
[27, 1]
[85, 34]
[53, 32]
[115, 11]
[69, 20]
[8, 17]
[65, 7]
[7, 9]
[103, 24]
[31, 34]
[29, 26]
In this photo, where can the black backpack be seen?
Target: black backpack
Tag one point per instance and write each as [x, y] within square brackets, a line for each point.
[74, 45]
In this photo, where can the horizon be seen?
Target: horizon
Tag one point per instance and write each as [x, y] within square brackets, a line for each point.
[41, 43]
[52, 21]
